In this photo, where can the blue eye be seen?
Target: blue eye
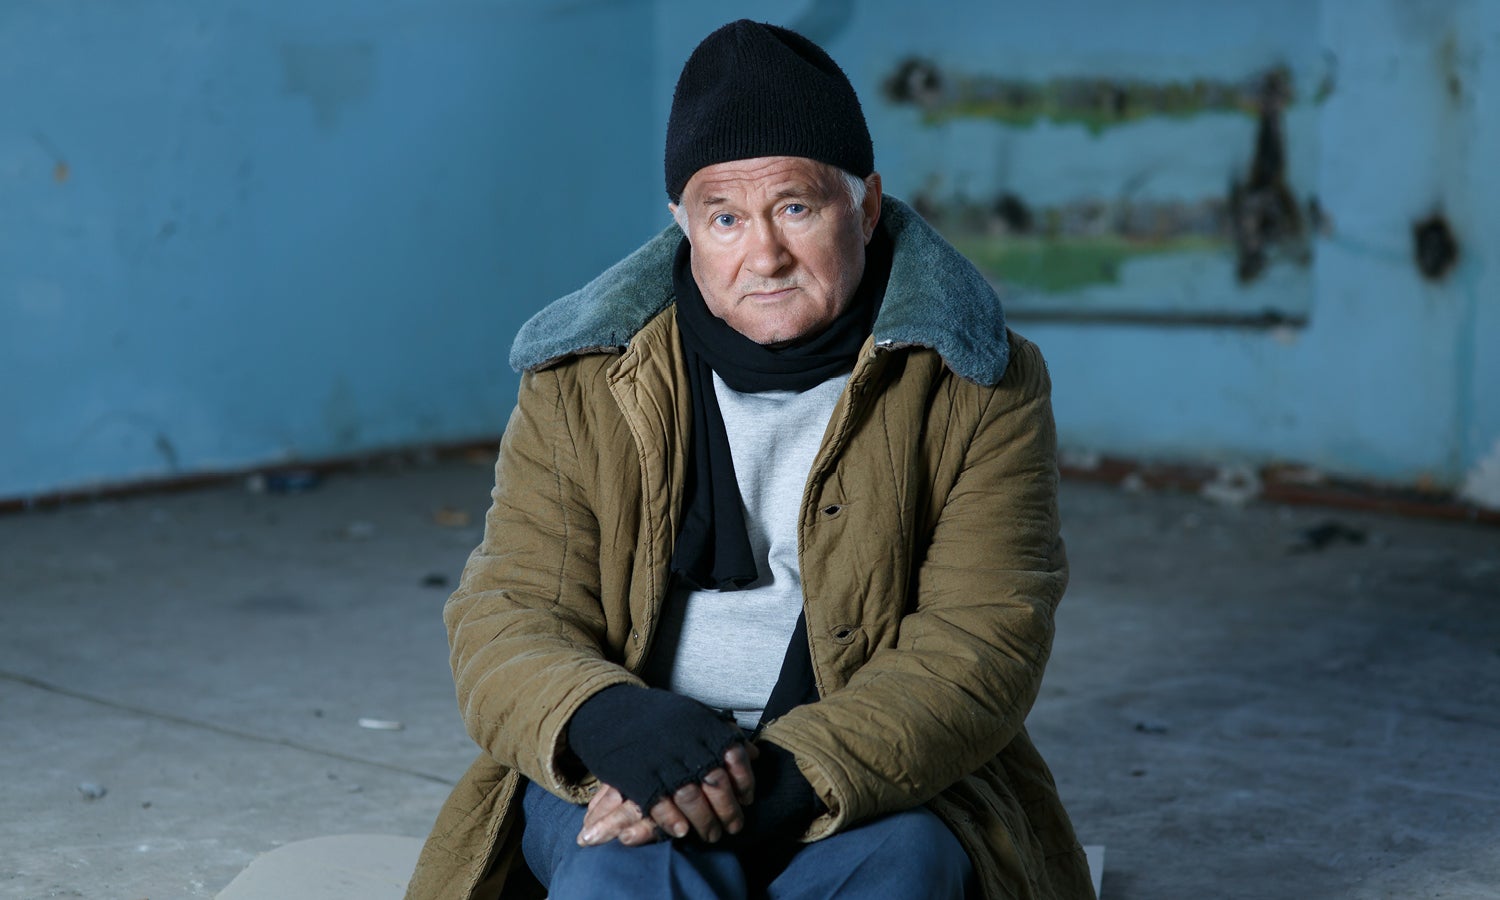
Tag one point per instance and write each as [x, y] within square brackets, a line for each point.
[795, 209]
[724, 220]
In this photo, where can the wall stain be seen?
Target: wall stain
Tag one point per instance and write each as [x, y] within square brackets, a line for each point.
[330, 76]
[1095, 103]
[824, 20]
[1435, 247]
[1088, 241]
[61, 171]
[341, 414]
[1330, 80]
[1449, 66]
[168, 451]
[1264, 214]
[1084, 242]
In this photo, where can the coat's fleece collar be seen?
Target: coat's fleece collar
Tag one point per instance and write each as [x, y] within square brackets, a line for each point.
[935, 298]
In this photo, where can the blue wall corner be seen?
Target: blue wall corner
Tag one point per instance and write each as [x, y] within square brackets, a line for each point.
[237, 233]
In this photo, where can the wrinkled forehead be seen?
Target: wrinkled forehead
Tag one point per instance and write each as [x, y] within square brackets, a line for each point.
[766, 178]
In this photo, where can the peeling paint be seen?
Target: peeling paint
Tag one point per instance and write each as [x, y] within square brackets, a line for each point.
[1067, 246]
[1062, 265]
[1482, 483]
[1095, 103]
[1087, 242]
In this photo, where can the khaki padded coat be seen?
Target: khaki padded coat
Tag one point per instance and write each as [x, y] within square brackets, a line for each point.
[930, 557]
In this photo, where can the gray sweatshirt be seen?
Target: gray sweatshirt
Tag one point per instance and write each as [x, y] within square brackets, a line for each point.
[724, 648]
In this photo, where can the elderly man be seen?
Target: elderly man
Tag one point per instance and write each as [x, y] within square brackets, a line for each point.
[766, 589]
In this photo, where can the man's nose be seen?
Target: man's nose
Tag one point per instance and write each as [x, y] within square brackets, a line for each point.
[768, 250]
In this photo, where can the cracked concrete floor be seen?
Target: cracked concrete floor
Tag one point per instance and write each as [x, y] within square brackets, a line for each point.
[1229, 717]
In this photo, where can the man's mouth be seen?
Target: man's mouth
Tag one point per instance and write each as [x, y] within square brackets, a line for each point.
[771, 295]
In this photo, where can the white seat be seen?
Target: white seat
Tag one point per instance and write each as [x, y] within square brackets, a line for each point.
[337, 867]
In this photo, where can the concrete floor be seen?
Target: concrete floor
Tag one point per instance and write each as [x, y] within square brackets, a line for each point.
[1230, 717]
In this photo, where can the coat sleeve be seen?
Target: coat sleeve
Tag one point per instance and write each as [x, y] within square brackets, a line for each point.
[966, 666]
[525, 626]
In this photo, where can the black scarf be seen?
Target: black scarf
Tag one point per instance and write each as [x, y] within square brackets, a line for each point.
[713, 547]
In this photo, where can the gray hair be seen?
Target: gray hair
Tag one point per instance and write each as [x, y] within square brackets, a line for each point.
[853, 184]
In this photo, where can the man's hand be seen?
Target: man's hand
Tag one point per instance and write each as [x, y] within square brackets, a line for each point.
[710, 808]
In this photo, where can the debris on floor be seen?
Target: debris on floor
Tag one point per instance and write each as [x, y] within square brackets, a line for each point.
[92, 791]
[1482, 484]
[1082, 460]
[381, 724]
[1324, 534]
[478, 457]
[1232, 486]
[451, 517]
[283, 481]
[1333, 710]
[359, 530]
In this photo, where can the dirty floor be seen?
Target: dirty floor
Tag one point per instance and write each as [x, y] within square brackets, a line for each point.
[1243, 702]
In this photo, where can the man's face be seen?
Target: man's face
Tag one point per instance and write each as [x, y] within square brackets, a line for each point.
[777, 249]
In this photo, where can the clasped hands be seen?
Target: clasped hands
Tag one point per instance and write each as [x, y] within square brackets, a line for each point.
[669, 766]
[709, 808]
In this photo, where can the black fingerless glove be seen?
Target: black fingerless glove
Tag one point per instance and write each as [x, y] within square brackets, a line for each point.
[784, 802]
[647, 742]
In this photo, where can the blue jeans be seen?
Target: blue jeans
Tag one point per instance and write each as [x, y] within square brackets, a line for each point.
[895, 857]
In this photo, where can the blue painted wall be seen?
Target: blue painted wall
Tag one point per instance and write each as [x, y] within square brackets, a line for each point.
[233, 233]
[1393, 377]
[244, 231]
[1386, 380]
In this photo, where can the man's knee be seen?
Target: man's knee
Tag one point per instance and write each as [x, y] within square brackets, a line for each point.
[921, 850]
[612, 871]
[902, 855]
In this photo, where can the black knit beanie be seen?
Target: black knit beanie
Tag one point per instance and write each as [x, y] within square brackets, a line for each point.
[753, 90]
